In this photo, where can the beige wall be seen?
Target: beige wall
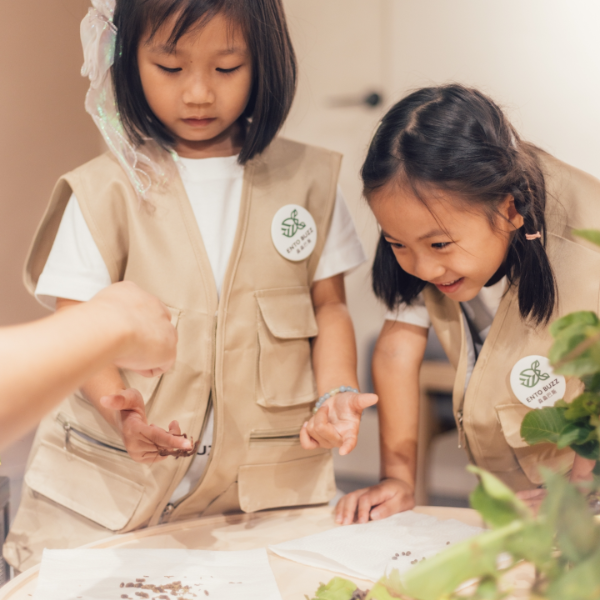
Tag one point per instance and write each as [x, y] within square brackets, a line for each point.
[539, 58]
[44, 129]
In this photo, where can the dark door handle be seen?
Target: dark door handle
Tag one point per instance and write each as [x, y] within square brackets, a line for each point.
[371, 100]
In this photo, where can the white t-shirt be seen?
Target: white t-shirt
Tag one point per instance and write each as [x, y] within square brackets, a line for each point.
[75, 269]
[481, 312]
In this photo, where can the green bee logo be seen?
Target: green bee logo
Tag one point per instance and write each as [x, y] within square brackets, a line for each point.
[532, 376]
[292, 225]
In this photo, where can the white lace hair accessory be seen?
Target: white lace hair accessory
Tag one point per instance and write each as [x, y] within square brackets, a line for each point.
[98, 37]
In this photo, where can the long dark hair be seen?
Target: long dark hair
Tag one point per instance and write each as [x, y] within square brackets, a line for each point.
[457, 139]
[266, 33]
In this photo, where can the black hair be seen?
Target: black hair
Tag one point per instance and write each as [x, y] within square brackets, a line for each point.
[456, 139]
[266, 33]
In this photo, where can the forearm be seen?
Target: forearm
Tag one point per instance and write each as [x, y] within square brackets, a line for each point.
[42, 362]
[396, 365]
[334, 349]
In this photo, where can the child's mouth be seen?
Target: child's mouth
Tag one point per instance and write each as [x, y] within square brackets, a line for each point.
[449, 287]
[198, 122]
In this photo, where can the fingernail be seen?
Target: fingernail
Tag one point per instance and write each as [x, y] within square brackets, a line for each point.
[187, 445]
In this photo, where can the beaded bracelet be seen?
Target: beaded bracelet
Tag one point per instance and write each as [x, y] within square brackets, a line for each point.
[340, 390]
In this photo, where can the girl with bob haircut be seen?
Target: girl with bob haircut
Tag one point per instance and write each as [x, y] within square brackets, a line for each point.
[243, 235]
[476, 241]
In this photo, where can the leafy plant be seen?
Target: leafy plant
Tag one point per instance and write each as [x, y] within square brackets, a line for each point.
[562, 542]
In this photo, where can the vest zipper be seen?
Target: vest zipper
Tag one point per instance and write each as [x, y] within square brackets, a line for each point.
[170, 507]
[70, 431]
[461, 430]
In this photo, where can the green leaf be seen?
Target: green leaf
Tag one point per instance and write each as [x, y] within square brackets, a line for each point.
[578, 320]
[576, 433]
[591, 235]
[337, 589]
[590, 450]
[488, 590]
[535, 544]
[543, 425]
[495, 501]
[582, 582]
[591, 382]
[583, 406]
[567, 512]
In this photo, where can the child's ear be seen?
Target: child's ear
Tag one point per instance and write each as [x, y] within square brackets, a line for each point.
[509, 211]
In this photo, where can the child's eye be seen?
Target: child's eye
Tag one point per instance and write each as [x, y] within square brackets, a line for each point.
[168, 69]
[228, 70]
[441, 245]
[395, 245]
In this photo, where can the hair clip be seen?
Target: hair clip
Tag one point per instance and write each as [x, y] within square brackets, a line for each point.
[533, 236]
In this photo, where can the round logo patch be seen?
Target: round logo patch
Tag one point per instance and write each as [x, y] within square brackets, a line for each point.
[535, 384]
[294, 232]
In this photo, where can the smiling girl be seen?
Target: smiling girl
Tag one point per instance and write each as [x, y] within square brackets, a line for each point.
[476, 241]
[243, 235]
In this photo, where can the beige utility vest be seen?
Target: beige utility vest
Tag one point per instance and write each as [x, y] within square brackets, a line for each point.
[249, 352]
[489, 415]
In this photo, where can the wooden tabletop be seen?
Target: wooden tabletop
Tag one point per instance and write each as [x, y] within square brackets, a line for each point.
[240, 532]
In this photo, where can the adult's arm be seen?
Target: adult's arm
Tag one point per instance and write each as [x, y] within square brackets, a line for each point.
[42, 362]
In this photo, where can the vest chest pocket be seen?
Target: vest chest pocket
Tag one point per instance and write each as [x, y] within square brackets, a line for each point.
[146, 386]
[286, 322]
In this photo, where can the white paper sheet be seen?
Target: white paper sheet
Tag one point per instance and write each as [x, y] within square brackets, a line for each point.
[368, 551]
[203, 575]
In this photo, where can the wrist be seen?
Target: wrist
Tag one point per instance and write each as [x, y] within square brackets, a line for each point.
[333, 392]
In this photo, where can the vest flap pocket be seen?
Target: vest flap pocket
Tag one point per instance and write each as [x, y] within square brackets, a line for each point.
[286, 321]
[531, 458]
[293, 483]
[511, 416]
[146, 386]
[83, 487]
[288, 312]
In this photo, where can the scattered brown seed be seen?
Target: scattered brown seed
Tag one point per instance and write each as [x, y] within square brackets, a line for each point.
[206, 592]
[447, 543]
[124, 596]
[408, 553]
[141, 580]
[404, 554]
[129, 585]
[142, 594]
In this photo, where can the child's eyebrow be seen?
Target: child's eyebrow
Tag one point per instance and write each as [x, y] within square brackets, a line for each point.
[161, 48]
[232, 50]
[433, 233]
[387, 235]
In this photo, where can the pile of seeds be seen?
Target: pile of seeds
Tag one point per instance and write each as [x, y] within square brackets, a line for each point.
[168, 591]
[180, 453]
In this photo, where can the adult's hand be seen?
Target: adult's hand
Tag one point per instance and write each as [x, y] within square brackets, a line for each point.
[149, 338]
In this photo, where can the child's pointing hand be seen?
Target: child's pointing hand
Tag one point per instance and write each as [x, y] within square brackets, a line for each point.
[142, 441]
[336, 423]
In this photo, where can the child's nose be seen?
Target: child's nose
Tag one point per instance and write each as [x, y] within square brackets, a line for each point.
[427, 269]
[198, 91]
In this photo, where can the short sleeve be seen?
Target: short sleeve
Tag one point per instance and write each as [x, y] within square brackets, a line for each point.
[414, 314]
[343, 250]
[75, 268]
